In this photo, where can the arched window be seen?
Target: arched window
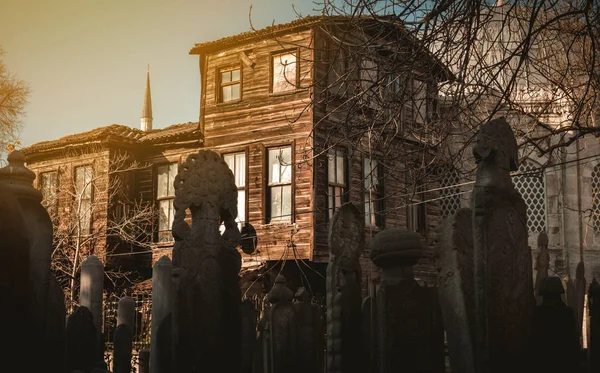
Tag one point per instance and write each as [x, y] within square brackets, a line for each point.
[531, 184]
[450, 194]
[596, 198]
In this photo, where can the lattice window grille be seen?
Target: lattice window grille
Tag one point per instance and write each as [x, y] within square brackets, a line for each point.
[450, 194]
[531, 184]
[596, 198]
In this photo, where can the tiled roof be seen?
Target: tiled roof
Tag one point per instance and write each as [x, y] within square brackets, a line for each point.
[275, 29]
[116, 133]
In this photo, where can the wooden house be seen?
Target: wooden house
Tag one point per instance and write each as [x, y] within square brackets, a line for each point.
[282, 106]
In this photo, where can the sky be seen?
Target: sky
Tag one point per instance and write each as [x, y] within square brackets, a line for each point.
[85, 60]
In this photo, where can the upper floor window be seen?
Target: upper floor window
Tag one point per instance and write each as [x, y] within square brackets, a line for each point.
[49, 189]
[229, 84]
[83, 198]
[420, 101]
[416, 211]
[596, 198]
[531, 184]
[165, 195]
[373, 195]
[284, 72]
[336, 180]
[237, 165]
[279, 187]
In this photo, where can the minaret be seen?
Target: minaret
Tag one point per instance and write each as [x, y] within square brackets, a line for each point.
[146, 120]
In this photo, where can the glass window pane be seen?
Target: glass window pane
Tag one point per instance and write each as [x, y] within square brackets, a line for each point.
[235, 92]
[164, 215]
[331, 165]
[367, 210]
[235, 75]
[226, 93]
[173, 170]
[240, 169]
[286, 202]
[274, 166]
[225, 77]
[340, 170]
[338, 197]
[275, 202]
[85, 215]
[367, 173]
[241, 205]
[163, 181]
[284, 72]
[286, 165]
[330, 202]
[230, 160]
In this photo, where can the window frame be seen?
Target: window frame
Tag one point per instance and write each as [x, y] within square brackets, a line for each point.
[296, 52]
[246, 186]
[377, 219]
[53, 208]
[158, 233]
[219, 84]
[345, 190]
[416, 210]
[267, 186]
[88, 231]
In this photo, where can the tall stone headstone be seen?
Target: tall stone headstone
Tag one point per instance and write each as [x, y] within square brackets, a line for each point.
[30, 254]
[542, 263]
[283, 330]
[594, 314]
[248, 334]
[410, 334]
[162, 306]
[82, 340]
[91, 295]
[344, 317]
[206, 307]
[555, 343]
[126, 312]
[310, 332]
[454, 255]
[123, 335]
[369, 334]
[504, 299]
[144, 361]
[580, 289]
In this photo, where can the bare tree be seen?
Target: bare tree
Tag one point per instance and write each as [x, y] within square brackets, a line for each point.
[13, 98]
[95, 211]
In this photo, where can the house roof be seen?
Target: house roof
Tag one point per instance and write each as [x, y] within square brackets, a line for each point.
[116, 133]
[305, 22]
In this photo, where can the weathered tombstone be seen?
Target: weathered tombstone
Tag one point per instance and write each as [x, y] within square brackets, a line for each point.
[542, 263]
[43, 308]
[594, 333]
[454, 252]
[310, 333]
[580, 288]
[410, 340]
[144, 361]
[123, 336]
[90, 296]
[123, 344]
[504, 299]
[282, 348]
[82, 340]
[555, 343]
[344, 317]
[248, 334]
[369, 330]
[206, 307]
[162, 306]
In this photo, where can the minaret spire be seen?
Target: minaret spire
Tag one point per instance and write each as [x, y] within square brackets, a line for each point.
[146, 120]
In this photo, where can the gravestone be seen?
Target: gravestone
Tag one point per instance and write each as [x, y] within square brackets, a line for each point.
[90, 297]
[310, 332]
[411, 337]
[126, 312]
[123, 344]
[248, 334]
[454, 257]
[82, 340]
[162, 306]
[283, 333]
[43, 308]
[580, 288]
[369, 330]
[542, 263]
[144, 361]
[206, 308]
[344, 317]
[504, 299]
[555, 342]
[594, 332]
